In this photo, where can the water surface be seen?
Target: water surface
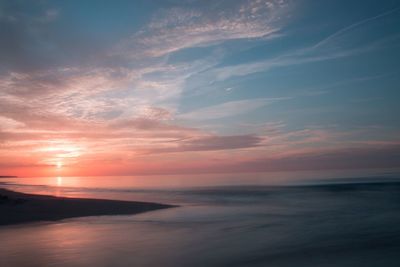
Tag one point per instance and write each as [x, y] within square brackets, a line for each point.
[325, 224]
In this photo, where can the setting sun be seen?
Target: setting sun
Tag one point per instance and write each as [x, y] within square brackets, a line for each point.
[59, 165]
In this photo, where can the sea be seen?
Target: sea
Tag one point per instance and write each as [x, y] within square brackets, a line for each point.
[297, 219]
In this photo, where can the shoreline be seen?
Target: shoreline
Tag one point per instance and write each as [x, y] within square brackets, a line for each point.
[18, 208]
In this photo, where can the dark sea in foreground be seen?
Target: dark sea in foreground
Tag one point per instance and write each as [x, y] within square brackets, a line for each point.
[344, 222]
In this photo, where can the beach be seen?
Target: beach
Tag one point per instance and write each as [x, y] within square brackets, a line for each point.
[16, 208]
[346, 223]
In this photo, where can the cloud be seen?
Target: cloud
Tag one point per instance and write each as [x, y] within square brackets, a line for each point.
[344, 158]
[228, 109]
[147, 124]
[211, 143]
[347, 42]
[69, 96]
[297, 57]
[353, 26]
[348, 158]
[178, 28]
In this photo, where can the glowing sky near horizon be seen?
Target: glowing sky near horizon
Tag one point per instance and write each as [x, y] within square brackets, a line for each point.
[164, 87]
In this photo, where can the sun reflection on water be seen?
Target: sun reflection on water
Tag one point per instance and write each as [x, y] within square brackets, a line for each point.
[59, 181]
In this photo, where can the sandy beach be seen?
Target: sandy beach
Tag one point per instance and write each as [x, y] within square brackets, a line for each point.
[16, 208]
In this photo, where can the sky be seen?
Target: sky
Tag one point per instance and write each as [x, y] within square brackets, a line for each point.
[198, 86]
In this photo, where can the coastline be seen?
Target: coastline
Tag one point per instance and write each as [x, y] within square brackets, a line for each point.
[18, 208]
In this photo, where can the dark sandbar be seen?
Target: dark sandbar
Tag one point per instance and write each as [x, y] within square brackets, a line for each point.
[18, 207]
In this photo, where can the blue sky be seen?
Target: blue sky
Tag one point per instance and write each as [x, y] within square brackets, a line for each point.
[250, 84]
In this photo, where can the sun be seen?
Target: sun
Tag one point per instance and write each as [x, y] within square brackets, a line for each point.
[59, 165]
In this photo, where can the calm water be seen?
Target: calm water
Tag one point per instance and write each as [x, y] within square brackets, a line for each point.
[325, 224]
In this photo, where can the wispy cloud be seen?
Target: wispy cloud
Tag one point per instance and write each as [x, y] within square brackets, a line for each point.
[211, 143]
[179, 28]
[228, 109]
[297, 57]
[353, 26]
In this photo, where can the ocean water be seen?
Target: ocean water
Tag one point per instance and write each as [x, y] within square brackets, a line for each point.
[334, 222]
